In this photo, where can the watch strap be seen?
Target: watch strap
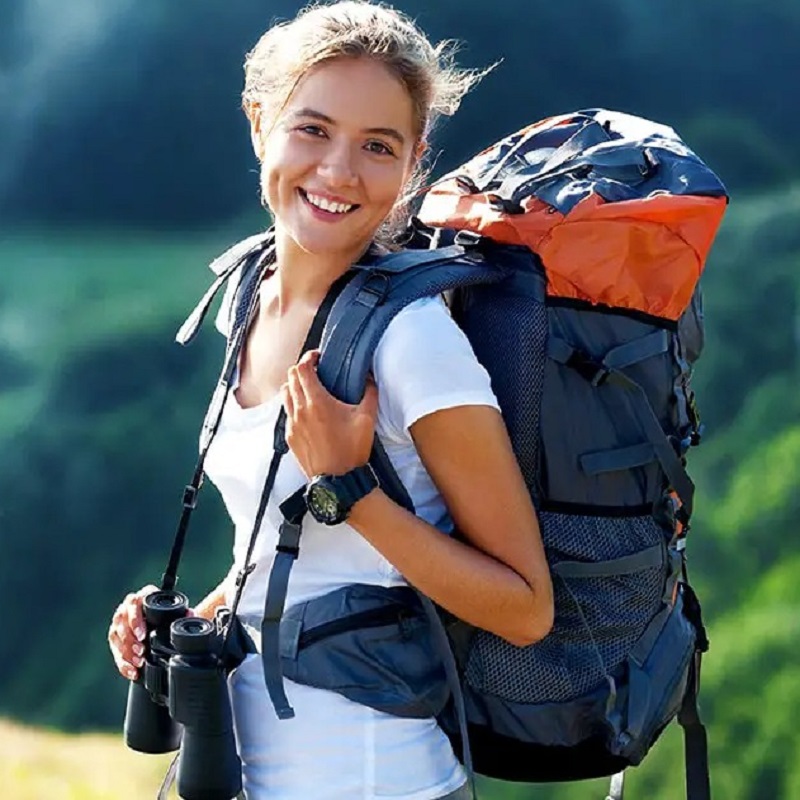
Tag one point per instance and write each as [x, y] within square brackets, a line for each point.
[353, 485]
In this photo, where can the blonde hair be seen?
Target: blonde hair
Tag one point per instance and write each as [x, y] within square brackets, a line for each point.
[322, 32]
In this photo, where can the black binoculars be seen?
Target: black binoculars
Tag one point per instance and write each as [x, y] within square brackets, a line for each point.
[180, 699]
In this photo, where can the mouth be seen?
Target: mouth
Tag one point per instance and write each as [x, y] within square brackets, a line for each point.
[328, 209]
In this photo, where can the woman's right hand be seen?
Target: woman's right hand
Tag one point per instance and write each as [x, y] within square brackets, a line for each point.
[127, 632]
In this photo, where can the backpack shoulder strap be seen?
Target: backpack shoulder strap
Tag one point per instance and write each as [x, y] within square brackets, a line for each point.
[383, 288]
[364, 310]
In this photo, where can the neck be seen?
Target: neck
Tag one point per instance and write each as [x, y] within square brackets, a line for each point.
[303, 278]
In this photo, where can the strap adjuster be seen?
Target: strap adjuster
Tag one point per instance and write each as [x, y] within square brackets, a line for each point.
[375, 289]
[190, 496]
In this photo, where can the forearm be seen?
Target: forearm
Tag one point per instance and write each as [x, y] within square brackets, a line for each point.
[462, 579]
[208, 606]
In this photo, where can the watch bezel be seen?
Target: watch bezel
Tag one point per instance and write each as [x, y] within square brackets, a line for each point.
[324, 483]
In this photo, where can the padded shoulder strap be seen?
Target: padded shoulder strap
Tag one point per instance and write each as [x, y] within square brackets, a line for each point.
[370, 302]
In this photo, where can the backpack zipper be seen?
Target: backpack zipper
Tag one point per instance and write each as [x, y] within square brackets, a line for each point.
[373, 618]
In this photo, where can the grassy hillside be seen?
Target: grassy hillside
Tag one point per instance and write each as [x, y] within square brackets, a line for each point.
[44, 765]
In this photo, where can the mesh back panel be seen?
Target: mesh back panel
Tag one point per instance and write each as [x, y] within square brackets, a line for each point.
[565, 664]
[508, 334]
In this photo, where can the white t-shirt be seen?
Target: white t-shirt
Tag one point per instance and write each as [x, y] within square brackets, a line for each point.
[335, 749]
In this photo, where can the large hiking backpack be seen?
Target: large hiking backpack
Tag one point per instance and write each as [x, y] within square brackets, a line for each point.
[570, 253]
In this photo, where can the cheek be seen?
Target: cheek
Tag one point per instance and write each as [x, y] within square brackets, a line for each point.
[275, 175]
[387, 185]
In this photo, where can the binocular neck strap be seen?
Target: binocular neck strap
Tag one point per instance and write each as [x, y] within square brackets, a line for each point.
[252, 275]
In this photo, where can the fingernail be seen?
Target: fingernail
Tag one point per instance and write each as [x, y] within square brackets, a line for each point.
[132, 674]
[138, 661]
[138, 649]
[139, 633]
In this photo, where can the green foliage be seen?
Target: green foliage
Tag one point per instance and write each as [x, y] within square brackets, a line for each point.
[98, 442]
[99, 410]
[168, 146]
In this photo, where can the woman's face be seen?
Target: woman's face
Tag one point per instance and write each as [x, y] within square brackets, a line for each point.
[336, 159]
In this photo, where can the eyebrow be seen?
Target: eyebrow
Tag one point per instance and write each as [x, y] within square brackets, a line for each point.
[389, 132]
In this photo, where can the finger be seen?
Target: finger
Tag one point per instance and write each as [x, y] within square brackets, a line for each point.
[127, 663]
[121, 639]
[134, 617]
[295, 391]
[309, 357]
[288, 404]
[309, 381]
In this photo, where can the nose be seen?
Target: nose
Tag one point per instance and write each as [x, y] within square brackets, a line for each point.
[337, 167]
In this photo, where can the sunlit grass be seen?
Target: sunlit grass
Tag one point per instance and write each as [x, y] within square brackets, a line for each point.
[42, 765]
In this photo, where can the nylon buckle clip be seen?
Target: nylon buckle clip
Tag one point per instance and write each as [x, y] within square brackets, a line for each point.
[593, 371]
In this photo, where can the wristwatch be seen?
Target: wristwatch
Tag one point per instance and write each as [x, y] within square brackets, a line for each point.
[329, 498]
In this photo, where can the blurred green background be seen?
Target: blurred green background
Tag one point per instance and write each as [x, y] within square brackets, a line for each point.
[125, 167]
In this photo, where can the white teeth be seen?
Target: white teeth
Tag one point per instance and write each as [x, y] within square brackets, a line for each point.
[327, 205]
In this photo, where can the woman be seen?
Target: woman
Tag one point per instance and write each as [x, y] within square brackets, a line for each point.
[340, 102]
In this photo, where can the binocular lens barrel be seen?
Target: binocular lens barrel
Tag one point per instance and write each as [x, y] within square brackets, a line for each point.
[209, 766]
[148, 727]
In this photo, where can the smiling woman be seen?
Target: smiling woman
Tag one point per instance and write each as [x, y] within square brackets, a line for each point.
[340, 102]
[336, 158]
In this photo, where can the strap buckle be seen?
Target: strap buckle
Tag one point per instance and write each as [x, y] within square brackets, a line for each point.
[593, 371]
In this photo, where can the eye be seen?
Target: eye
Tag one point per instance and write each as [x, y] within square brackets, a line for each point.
[379, 148]
[312, 130]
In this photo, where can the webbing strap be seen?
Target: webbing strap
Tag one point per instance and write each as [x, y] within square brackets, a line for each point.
[253, 274]
[644, 559]
[620, 357]
[518, 185]
[695, 738]
[191, 325]
[442, 644]
[616, 789]
[667, 457]
[598, 373]
[618, 458]
[630, 353]
[293, 510]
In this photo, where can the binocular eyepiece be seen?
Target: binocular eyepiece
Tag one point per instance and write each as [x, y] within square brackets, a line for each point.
[180, 700]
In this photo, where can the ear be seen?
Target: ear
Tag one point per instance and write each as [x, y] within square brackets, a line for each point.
[254, 115]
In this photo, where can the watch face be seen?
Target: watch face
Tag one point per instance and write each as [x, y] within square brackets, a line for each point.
[324, 504]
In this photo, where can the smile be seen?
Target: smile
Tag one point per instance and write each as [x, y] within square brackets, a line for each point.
[320, 203]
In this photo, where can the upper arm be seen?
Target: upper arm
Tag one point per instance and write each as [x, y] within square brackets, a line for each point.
[468, 454]
[434, 393]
